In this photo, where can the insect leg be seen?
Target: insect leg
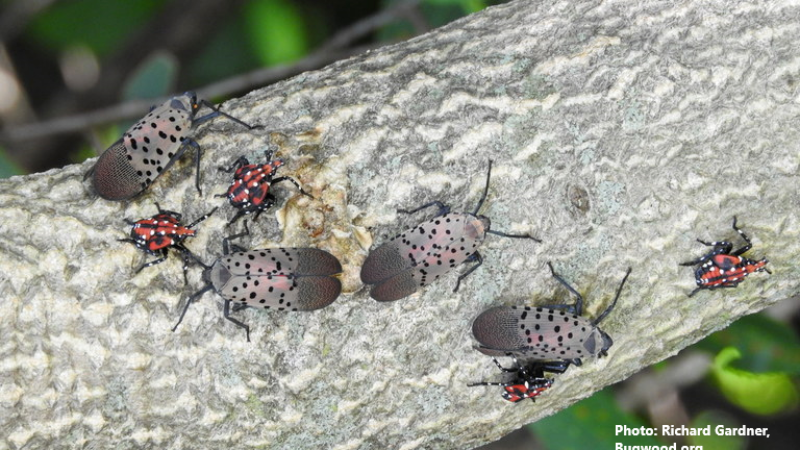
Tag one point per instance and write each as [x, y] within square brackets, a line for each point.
[578, 308]
[719, 246]
[217, 113]
[280, 179]
[187, 257]
[205, 216]
[555, 366]
[234, 247]
[226, 313]
[154, 262]
[239, 214]
[473, 257]
[194, 297]
[443, 209]
[616, 297]
[509, 235]
[198, 154]
[512, 370]
[719, 249]
[242, 161]
[240, 306]
[486, 383]
[485, 189]
[177, 216]
[744, 236]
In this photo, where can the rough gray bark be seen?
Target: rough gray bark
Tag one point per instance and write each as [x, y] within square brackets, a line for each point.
[620, 132]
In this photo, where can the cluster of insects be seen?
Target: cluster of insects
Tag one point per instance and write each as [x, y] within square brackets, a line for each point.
[540, 340]
[286, 279]
[547, 338]
[551, 338]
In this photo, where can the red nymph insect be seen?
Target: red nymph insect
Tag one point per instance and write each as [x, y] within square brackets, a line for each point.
[722, 267]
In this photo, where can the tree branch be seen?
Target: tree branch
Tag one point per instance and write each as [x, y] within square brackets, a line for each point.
[620, 133]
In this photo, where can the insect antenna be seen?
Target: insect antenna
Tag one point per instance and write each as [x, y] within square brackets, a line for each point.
[485, 190]
[608, 310]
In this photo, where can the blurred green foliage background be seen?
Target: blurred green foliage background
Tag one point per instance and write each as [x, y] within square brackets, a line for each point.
[750, 379]
[62, 59]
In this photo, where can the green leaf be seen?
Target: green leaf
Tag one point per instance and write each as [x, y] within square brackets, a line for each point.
[7, 167]
[468, 6]
[590, 423]
[758, 393]
[441, 13]
[98, 24]
[155, 77]
[766, 344]
[277, 31]
[228, 53]
[435, 12]
[105, 136]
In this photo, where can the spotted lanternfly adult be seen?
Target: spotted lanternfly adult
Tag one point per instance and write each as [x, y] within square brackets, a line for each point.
[520, 381]
[150, 147]
[249, 191]
[546, 333]
[286, 279]
[157, 234]
[724, 268]
[419, 256]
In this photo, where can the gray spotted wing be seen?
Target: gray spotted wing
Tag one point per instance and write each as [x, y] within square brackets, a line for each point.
[282, 278]
[153, 143]
[536, 333]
